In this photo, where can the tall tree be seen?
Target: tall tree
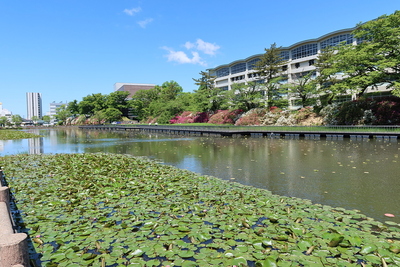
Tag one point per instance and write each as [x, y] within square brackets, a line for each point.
[246, 96]
[73, 107]
[170, 90]
[3, 121]
[92, 103]
[327, 76]
[375, 60]
[63, 114]
[208, 98]
[117, 100]
[304, 87]
[269, 69]
[16, 119]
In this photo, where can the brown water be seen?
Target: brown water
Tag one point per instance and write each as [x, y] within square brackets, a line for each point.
[353, 174]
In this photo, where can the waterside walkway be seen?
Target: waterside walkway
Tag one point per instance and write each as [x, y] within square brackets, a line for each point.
[386, 133]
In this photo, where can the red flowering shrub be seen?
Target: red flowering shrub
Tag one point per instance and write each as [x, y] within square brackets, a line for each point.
[252, 117]
[275, 109]
[225, 116]
[387, 111]
[190, 117]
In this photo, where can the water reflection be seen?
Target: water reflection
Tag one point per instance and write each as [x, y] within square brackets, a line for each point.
[354, 174]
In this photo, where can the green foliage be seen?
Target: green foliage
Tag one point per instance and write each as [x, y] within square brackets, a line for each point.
[207, 98]
[12, 135]
[106, 209]
[3, 121]
[373, 61]
[46, 118]
[246, 96]
[62, 114]
[16, 119]
[304, 87]
[269, 69]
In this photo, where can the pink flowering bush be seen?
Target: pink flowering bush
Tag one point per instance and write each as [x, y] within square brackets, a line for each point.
[225, 116]
[190, 117]
[251, 117]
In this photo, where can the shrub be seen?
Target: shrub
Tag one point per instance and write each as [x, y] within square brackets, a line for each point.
[251, 117]
[190, 117]
[225, 116]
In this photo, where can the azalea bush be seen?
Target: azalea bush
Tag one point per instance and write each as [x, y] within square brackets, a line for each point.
[225, 116]
[376, 111]
[190, 117]
[251, 117]
[111, 209]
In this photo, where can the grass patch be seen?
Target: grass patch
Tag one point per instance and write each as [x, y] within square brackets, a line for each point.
[107, 209]
[13, 134]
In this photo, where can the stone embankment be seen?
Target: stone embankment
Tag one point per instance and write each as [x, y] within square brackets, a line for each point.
[13, 245]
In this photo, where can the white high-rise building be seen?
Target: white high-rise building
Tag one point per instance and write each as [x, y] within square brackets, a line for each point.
[34, 105]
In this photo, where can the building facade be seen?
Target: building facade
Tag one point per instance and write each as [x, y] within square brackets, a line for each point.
[132, 88]
[34, 105]
[53, 108]
[300, 56]
[4, 112]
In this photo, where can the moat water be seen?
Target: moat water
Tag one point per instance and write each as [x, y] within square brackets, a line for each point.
[353, 174]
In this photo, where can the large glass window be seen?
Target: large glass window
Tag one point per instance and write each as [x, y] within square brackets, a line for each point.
[240, 67]
[304, 51]
[285, 55]
[251, 64]
[223, 72]
[335, 40]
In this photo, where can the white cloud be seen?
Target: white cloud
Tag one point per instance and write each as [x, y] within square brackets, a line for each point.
[207, 48]
[133, 11]
[182, 58]
[189, 45]
[143, 23]
[195, 49]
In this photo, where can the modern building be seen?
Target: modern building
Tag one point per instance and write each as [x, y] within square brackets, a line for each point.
[34, 105]
[53, 108]
[132, 88]
[300, 56]
[4, 112]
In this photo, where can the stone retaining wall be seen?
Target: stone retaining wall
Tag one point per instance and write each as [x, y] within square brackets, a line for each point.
[13, 246]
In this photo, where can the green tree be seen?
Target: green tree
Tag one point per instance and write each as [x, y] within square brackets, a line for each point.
[375, 60]
[141, 101]
[303, 86]
[118, 100]
[46, 118]
[246, 96]
[92, 103]
[73, 107]
[207, 97]
[269, 69]
[112, 114]
[35, 119]
[98, 117]
[16, 119]
[170, 90]
[327, 76]
[62, 114]
[3, 121]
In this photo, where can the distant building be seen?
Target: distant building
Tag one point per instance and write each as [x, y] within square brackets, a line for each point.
[4, 112]
[132, 88]
[53, 108]
[34, 105]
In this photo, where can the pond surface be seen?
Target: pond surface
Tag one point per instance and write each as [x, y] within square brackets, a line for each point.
[353, 174]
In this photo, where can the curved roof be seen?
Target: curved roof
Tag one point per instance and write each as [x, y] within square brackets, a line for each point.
[343, 31]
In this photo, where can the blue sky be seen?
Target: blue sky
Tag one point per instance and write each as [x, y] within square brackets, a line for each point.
[68, 49]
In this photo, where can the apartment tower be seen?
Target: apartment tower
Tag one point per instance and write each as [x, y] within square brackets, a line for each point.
[34, 105]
